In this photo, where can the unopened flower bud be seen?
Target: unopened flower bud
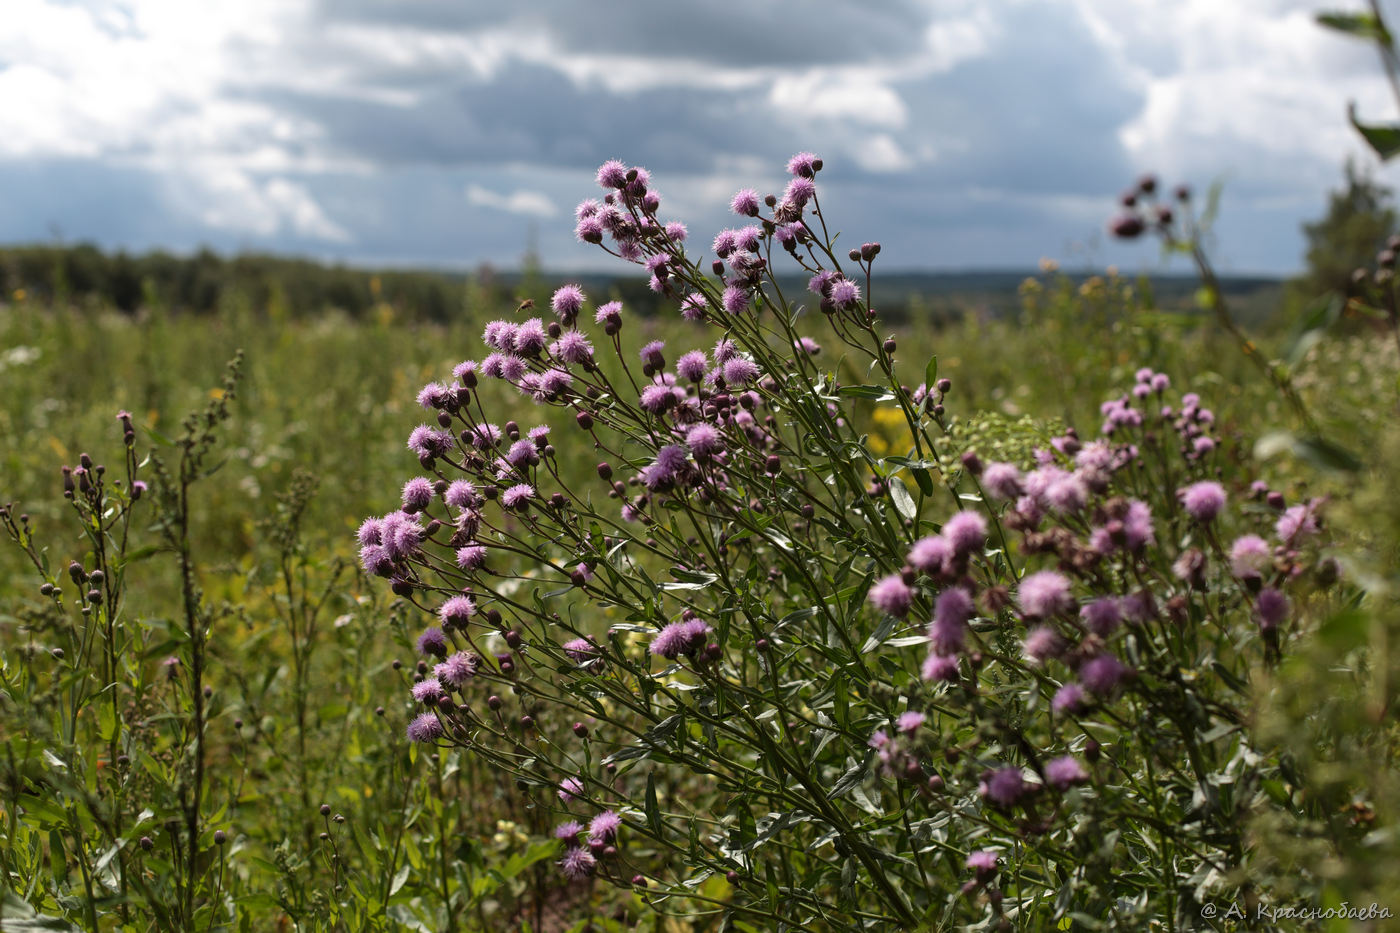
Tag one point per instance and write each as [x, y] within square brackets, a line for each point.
[580, 730]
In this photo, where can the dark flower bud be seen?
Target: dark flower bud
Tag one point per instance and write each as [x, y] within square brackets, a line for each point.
[445, 704]
[773, 464]
[868, 251]
[94, 595]
[732, 876]
[972, 463]
[75, 571]
[1386, 259]
[493, 616]
[944, 386]
[1126, 226]
[1275, 501]
[1164, 214]
[325, 809]
[219, 837]
[147, 844]
[1092, 751]
[717, 267]
[96, 577]
[890, 345]
[85, 460]
[935, 784]
[584, 419]
[493, 702]
[208, 691]
[512, 429]
[527, 721]
[580, 730]
[854, 255]
[46, 589]
[57, 654]
[513, 638]
[444, 419]
[554, 329]
[1183, 193]
[401, 587]
[1147, 184]
[1128, 199]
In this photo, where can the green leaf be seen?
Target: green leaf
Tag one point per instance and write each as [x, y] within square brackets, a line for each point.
[903, 501]
[1385, 140]
[653, 811]
[870, 393]
[931, 372]
[1360, 25]
[925, 481]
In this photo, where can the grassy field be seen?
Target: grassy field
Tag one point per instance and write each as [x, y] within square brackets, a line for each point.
[307, 702]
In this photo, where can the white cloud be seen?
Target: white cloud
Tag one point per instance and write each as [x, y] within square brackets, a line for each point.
[530, 203]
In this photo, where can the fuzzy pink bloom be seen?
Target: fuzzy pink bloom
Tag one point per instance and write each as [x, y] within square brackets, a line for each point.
[940, 667]
[1250, 556]
[1065, 771]
[891, 595]
[1041, 644]
[930, 554]
[1102, 616]
[948, 632]
[1002, 481]
[1203, 501]
[965, 532]
[1297, 523]
[1045, 594]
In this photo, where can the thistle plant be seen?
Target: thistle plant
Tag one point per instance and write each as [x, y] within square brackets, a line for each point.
[758, 671]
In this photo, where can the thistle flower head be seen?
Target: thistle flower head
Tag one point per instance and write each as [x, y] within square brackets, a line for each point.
[604, 826]
[1064, 772]
[892, 596]
[1203, 501]
[424, 727]
[1045, 594]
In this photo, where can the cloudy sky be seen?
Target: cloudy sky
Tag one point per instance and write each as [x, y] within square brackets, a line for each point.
[959, 133]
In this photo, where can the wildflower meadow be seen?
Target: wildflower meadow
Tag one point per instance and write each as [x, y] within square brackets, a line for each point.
[760, 612]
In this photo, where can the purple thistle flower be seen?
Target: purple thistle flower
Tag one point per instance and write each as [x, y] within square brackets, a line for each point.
[588, 207]
[371, 532]
[433, 395]
[433, 642]
[471, 557]
[948, 632]
[550, 385]
[803, 165]
[457, 611]
[612, 174]
[1203, 501]
[1102, 616]
[609, 314]
[1298, 522]
[500, 335]
[530, 338]
[656, 399]
[376, 560]
[680, 638]
[807, 345]
[1270, 609]
[724, 351]
[522, 454]
[693, 307]
[429, 442]
[796, 195]
[1002, 481]
[1103, 674]
[735, 299]
[940, 667]
[589, 230]
[569, 832]
[485, 436]
[930, 554]
[578, 864]
[692, 365]
[965, 532]
[512, 368]
[417, 494]
[844, 293]
[1067, 495]
[428, 691]
[1003, 787]
[1068, 699]
[983, 864]
[676, 231]
[402, 535]
[704, 442]
[462, 494]
[1045, 594]
[1250, 556]
[725, 242]
[910, 721]
[1041, 644]
[572, 347]
[491, 365]
[652, 355]
[892, 596]
[517, 496]
[740, 371]
[424, 728]
[1064, 772]
[745, 203]
[580, 650]
[821, 282]
[570, 789]
[604, 826]
[459, 668]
